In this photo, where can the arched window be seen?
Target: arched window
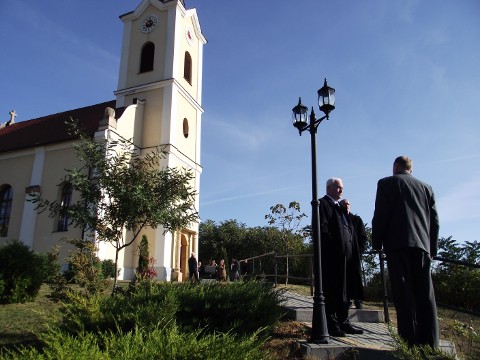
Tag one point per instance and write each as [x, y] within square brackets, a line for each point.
[147, 57]
[6, 196]
[187, 67]
[65, 201]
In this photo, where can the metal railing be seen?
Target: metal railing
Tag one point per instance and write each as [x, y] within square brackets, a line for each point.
[287, 276]
[257, 269]
[457, 262]
[251, 260]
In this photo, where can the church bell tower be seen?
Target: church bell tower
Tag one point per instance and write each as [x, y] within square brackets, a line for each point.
[160, 78]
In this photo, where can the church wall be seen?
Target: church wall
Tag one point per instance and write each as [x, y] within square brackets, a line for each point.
[186, 144]
[129, 125]
[153, 115]
[57, 159]
[16, 172]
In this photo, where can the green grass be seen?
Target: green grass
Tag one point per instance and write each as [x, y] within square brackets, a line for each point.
[20, 322]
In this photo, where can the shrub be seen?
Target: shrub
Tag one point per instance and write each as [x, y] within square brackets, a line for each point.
[143, 255]
[82, 313]
[458, 287]
[159, 343]
[108, 269]
[148, 271]
[144, 304]
[54, 276]
[50, 264]
[244, 307]
[85, 268]
[21, 273]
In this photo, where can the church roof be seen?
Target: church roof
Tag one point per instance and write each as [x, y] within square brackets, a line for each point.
[51, 128]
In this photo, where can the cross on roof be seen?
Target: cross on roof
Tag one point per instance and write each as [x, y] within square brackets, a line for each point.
[12, 117]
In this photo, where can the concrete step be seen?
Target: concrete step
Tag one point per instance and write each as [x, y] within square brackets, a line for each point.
[354, 315]
[376, 342]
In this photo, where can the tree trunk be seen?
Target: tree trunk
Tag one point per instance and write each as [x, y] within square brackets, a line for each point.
[116, 271]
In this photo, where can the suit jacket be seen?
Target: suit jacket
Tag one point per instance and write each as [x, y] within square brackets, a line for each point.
[405, 215]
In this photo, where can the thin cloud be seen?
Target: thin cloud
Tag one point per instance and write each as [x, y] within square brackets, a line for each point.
[240, 133]
[462, 202]
[246, 196]
[73, 47]
[454, 159]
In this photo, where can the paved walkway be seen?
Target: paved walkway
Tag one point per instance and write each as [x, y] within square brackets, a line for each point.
[376, 342]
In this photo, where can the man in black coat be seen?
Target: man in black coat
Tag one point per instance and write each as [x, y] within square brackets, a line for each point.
[354, 267]
[337, 251]
[405, 224]
[193, 268]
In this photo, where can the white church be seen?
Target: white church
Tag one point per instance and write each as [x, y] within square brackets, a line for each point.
[158, 102]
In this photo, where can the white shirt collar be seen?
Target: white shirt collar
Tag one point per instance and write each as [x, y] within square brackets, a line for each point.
[334, 201]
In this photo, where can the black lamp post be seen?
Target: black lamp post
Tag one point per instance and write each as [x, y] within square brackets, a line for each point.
[326, 103]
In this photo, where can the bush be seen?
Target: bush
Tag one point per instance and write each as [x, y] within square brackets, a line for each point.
[21, 273]
[50, 264]
[244, 307]
[458, 287]
[143, 255]
[85, 268]
[160, 343]
[151, 320]
[108, 269]
[145, 304]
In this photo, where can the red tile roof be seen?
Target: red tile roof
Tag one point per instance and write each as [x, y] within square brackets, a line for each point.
[51, 129]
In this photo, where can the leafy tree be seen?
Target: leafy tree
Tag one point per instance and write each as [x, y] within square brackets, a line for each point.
[230, 236]
[288, 221]
[242, 242]
[370, 263]
[458, 285]
[122, 188]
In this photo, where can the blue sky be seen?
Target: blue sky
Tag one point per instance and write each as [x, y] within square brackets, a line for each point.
[406, 74]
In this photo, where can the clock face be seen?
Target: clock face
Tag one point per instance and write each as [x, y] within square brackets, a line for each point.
[149, 24]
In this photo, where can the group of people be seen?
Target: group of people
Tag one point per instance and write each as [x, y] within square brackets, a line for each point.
[215, 271]
[405, 226]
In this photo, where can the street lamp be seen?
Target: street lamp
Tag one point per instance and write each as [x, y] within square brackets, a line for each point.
[326, 103]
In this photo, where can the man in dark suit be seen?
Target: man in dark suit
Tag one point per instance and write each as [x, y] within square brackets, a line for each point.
[193, 268]
[337, 251]
[405, 224]
[354, 267]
